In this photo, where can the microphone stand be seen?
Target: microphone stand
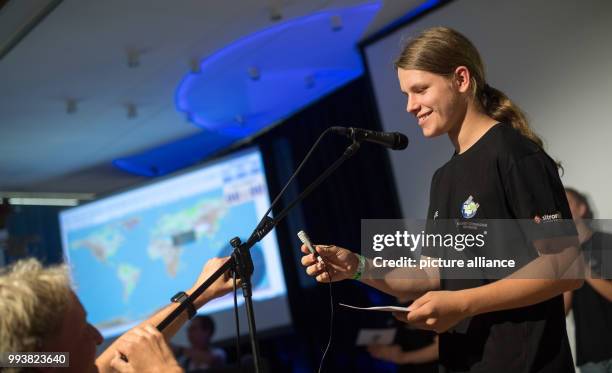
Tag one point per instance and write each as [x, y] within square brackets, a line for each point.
[240, 260]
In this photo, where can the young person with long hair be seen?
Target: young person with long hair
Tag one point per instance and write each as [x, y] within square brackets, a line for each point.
[499, 170]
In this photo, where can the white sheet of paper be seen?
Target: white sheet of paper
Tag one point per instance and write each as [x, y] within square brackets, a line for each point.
[379, 309]
[375, 336]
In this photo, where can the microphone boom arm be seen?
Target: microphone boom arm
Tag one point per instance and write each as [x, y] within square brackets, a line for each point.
[265, 226]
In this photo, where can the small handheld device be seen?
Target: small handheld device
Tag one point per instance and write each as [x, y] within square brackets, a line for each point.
[306, 241]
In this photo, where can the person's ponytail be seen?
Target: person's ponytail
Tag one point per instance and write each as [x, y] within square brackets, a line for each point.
[499, 107]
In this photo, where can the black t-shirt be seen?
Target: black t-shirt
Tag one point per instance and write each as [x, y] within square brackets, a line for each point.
[503, 175]
[592, 312]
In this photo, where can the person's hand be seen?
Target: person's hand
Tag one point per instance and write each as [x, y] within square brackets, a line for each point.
[436, 310]
[222, 286]
[392, 353]
[145, 350]
[339, 262]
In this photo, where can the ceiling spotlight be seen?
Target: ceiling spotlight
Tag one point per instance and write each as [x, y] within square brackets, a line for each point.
[336, 23]
[254, 73]
[275, 15]
[132, 110]
[71, 106]
[133, 58]
[194, 65]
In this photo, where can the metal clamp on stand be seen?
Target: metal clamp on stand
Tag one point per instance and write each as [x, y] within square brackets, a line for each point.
[243, 266]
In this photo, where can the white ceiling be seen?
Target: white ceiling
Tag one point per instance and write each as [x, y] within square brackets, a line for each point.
[79, 52]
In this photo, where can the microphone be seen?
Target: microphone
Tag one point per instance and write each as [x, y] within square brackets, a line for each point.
[391, 140]
[306, 241]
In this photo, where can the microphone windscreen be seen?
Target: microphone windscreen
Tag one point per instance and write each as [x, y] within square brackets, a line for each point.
[401, 141]
[303, 237]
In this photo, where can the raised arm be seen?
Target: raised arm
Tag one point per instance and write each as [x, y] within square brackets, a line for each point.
[222, 286]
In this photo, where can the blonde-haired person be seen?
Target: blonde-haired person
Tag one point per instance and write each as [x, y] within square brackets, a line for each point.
[499, 171]
[39, 312]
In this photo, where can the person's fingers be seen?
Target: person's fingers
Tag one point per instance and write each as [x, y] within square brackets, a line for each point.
[304, 249]
[152, 330]
[154, 333]
[150, 338]
[415, 317]
[420, 314]
[308, 260]
[140, 332]
[132, 339]
[156, 339]
[213, 264]
[425, 325]
[326, 250]
[127, 341]
[159, 339]
[120, 365]
[323, 277]
[419, 302]
[314, 270]
[166, 352]
[221, 261]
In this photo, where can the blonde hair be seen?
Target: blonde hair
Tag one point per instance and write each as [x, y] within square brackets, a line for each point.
[33, 300]
[440, 50]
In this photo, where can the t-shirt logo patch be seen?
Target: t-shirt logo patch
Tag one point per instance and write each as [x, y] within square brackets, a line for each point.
[469, 208]
[547, 218]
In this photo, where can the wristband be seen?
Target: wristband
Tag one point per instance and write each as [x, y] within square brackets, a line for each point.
[360, 267]
[182, 297]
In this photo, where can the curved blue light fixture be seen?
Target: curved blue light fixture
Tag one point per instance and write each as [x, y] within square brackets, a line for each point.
[258, 81]
[173, 156]
[265, 77]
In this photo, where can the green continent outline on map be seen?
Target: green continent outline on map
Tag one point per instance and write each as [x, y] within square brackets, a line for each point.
[129, 275]
[202, 219]
[103, 243]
